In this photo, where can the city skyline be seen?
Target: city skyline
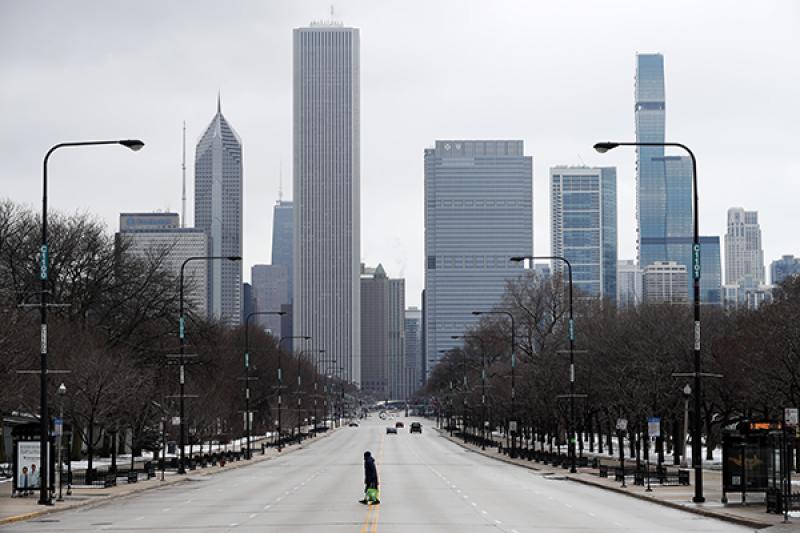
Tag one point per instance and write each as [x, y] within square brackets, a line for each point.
[107, 103]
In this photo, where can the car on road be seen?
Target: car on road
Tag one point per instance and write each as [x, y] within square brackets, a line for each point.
[353, 424]
[390, 430]
[416, 427]
[399, 424]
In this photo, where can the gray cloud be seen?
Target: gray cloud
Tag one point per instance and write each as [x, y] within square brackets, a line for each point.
[557, 74]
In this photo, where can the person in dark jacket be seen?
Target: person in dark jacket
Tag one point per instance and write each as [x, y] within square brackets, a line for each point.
[370, 476]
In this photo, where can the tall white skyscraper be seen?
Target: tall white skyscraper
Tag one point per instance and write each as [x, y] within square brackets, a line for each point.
[744, 256]
[327, 232]
[218, 211]
[478, 214]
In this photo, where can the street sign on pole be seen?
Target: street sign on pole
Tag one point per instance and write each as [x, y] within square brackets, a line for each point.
[58, 427]
[696, 261]
[512, 426]
[790, 416]
[176, 421]
[622, 424]
[654, 426]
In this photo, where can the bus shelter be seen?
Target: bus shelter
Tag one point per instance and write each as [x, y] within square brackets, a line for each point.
[756, 458]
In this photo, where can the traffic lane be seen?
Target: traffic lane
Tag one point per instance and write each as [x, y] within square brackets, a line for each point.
[519, 499]
[414, 497]
[214, 503]
[329, 503]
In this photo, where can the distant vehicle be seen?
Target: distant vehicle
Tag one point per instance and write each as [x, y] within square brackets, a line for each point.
[416, 427]
[399, 425]
[390, 430]
[353, 424]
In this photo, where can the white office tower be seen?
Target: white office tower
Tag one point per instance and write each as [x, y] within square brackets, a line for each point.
[666, 282]
[218, 211]
[629, 283]
[159, 239]
[744, 256]
[478, 214]
[326, 142]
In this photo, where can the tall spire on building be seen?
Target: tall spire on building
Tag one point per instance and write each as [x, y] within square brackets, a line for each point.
[183, 172]
[219, 103]
[280, 181]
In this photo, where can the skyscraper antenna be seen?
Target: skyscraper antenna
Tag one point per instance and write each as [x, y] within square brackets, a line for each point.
[280, 181]
[183, 171]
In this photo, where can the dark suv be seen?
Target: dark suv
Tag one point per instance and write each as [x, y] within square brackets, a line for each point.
[416, 427]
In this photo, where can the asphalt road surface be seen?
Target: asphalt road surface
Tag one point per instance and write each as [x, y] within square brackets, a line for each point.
[428, 485]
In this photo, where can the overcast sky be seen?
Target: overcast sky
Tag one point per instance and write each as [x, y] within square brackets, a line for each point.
[558, 75]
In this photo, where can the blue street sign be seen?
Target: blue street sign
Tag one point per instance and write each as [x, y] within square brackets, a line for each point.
[696, 261]
[43, 262]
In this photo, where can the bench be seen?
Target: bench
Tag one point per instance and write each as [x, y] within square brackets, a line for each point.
[603, 470]
[619, 475]
[672, 477]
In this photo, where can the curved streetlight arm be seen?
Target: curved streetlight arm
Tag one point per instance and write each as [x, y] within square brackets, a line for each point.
[603, 147]
[44, 494]
[571, 446]
[247, 327]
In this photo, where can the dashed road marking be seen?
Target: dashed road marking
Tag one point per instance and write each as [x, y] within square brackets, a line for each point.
[252, 516]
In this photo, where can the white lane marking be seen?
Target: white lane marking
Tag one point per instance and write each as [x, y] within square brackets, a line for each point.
[166, 510]
[498, 522]
[234, 524]
[188, 501]
[266, 507]
[253, 515]
[474, 504]
[514, 531]
[140, 518]
[483, 512]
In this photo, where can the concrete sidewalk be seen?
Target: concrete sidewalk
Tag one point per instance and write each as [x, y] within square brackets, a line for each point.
[24, 508]
[752, 514]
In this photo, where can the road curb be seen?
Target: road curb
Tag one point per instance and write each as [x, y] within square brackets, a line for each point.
[695, 510]
[101, 500]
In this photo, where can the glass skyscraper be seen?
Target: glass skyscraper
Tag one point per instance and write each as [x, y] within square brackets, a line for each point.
[664, 186]
[218, 211]
[283, 237]
[478, 214]
[583, 203]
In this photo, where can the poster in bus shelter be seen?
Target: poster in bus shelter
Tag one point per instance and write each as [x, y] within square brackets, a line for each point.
[745, 464]
[28, 470]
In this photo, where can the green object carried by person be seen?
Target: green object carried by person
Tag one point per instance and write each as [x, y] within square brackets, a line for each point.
[372, 495]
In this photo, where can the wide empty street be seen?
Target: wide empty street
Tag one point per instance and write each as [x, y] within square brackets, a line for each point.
[428, 484]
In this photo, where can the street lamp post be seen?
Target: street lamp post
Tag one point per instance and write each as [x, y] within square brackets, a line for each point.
[182, 340]
[687, 393]
[280, 382]
[248, 453]
[44, 255]
[62, 391]
[571, 444]
[320, 358]
[603, 147]
[510, 315]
